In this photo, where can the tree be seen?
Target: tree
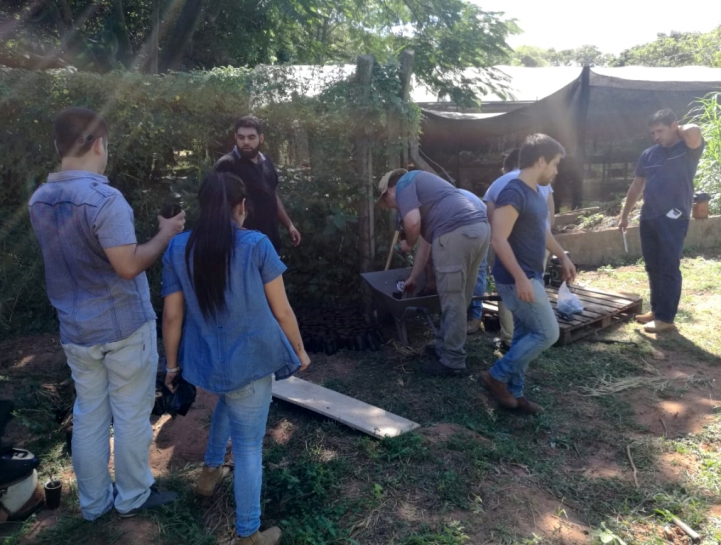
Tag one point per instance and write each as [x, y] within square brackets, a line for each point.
[447, 36]
[528, 55]
[676, 49]
[586, 55]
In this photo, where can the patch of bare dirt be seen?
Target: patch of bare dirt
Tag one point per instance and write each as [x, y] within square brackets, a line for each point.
[686, 406]
[526, 509]
[181, 440]
[672, 466]
[441, 433]
[132, 531]
[40, 355]
[326, 367]
[282, 432]
[22, 350]
[601, 463]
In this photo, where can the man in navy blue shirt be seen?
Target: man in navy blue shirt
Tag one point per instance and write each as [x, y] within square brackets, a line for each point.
[520, 235]
[664, 175]
[265, 209]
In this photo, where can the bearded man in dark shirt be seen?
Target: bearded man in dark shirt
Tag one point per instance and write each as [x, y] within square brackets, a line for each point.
[265, 209]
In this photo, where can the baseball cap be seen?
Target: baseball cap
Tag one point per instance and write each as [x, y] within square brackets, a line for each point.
[383, 184]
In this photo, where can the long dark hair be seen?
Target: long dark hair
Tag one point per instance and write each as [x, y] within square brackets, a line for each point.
[212, 241]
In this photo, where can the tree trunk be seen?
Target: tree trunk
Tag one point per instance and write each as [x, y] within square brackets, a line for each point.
[59, 21]
[67, 15]
[125, 48]
[212, 11]
[181, 36]
[154, 47]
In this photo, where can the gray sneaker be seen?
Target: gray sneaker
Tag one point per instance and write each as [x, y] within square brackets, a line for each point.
[156, 499]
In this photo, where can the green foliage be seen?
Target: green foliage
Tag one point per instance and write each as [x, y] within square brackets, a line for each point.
[447, 36]
[299, 495]
[676, 49]
[167, 131]
[707, 114]
[526, 55]
[592, 220]
[606, 537]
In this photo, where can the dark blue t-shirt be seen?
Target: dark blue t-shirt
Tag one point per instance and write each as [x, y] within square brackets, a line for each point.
[669, 174]
[528, 236]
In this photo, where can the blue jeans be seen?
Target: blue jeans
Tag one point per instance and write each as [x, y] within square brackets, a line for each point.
[662, 241]
[475, 311]
[241, 416]
[114, 382]
[535, 328]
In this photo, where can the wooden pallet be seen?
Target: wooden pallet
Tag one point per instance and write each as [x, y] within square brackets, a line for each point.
[600, 310]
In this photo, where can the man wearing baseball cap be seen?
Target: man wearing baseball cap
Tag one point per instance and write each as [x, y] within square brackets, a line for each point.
[456, 233]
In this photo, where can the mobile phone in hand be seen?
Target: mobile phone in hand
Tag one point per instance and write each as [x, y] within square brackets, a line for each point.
[170, 210]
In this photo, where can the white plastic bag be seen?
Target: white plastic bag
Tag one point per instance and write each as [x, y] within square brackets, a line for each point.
[568, 303]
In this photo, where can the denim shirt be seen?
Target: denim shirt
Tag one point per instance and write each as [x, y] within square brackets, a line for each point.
[223, 353]
[76, 215]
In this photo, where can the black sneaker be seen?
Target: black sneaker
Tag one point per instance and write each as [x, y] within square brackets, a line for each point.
[156, 499]
[436, 368]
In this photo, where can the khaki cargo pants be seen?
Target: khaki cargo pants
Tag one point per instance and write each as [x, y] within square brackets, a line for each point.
[456, 258]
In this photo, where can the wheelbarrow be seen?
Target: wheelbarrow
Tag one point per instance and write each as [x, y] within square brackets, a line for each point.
[383, 286]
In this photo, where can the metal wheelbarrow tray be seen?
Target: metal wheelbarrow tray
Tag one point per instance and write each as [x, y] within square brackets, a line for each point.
[383, 285]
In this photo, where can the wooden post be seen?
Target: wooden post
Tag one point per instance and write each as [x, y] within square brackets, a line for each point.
[364, 169]
[399, 138]
[581, 133]
[407, 59]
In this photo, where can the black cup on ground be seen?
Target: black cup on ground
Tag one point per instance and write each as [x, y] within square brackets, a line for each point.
[53, 491]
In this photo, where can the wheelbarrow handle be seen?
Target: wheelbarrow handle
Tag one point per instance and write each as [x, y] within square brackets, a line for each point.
[486, 298]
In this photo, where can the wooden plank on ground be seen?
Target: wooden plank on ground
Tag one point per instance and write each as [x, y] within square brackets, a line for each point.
[349, 411]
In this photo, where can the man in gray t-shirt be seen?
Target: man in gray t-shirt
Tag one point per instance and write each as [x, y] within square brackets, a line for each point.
[448, 226]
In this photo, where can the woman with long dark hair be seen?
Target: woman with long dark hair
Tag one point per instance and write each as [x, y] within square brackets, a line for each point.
[228, 324]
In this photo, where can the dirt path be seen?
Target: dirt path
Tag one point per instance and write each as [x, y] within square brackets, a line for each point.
[513, 498]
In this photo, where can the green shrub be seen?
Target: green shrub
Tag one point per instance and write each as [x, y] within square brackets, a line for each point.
[167, 131]
[707, 114]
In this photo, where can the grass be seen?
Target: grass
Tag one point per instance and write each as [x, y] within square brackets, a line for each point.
[490, 476]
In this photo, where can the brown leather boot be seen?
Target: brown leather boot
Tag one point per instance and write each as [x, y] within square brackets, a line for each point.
[499, 391]
[270, 537]
[644, 318]
[657, 326]
[528, 407]
[209, 479]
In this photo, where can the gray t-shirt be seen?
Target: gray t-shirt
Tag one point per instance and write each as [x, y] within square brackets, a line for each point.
[75, 216]
[443, 207]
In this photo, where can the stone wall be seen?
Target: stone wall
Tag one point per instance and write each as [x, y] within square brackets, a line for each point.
[596, 248]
